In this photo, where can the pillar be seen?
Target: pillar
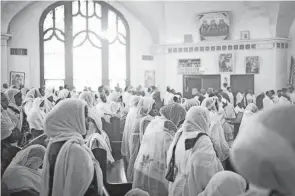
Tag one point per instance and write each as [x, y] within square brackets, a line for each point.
[4, 58]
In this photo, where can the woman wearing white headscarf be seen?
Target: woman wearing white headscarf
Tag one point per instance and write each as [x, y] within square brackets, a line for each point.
[28, 101]
[36, 117]
[250, 110]
[195, 160]
[216, 132]
[129, 123]
[63, 94]
[69, 167]
[96, 137]
[264, 150]
[22, 177]
[190, 103]
[144, 107]
[24, 92]
[150, 165]
[225, 183]
[115, 101]
[49, 102]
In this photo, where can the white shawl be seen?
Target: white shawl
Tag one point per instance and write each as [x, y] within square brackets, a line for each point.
[16, 118]
[6, 125]
[75, 163]
[22, 173]
[36, 115]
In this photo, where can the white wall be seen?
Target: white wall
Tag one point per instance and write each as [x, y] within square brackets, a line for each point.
[292, 47]
[24, 29]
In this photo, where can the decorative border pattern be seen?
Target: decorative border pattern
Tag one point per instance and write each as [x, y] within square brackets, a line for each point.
[224, 47]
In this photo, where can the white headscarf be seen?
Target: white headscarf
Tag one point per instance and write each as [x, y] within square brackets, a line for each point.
[173, 112]
[197, 119]
[129, 123]
[137, 192]
[24, 92]
[16, 118]
[32, 94]
[264, 150]
[48, 104]
[190, 103]
[66, 122]
[209, 103]
[225, 183]
[22, 173]
[6, 125]
[63, 94]
[36, 115]
[249, 112]
[145, 106]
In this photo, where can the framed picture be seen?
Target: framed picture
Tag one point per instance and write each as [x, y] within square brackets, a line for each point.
[17, 78]
[188, 66]
[149, 78]
[214, 26]
[245, 35]
[226, 63]
[252, 65]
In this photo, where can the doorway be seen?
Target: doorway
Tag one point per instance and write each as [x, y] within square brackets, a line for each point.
[193, 82]
[241, 83]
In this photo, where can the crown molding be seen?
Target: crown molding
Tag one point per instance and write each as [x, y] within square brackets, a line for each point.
[224, 45]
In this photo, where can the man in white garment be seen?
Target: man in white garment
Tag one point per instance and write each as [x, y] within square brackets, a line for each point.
[167, 95]
[230, 95]
[284, 99]
[267, 101]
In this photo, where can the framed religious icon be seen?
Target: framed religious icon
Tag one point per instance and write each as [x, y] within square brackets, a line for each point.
[245, 35]
[149, 78]
[17, 78]
[252, 65]
[214, 26]
[226, 63]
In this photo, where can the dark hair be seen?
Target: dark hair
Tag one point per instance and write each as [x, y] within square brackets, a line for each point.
[228, 87]
[272, 91]
[126, 88]
[175, 99]
[284, 90]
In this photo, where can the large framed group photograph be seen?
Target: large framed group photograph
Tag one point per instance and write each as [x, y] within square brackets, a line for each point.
[17, 79]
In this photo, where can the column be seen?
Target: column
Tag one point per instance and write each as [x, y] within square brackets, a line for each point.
[4, 58]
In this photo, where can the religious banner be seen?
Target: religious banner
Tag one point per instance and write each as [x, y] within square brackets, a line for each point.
[226, 63]
[214, 26]
[149, 78]
[188, 66]
[252, 65]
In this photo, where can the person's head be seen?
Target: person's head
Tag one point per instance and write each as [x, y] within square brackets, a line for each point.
[225, 183]
[145, 106]
[153, 88]
[42, 92]
[5, 86]
[134, 101]
[68, 117]
[14, 96]
[264, 151]
[272, 92]
[66, 87]
[210, 91]
[209, 103]
[103, 97]
[284, 91]
[197, 119]
[30, 157]
[4, 101]
[291, 89]
[203, 91]
[168, 89]
[173, 92]
[268, 93]
[250, 92]
[252, 108]
[88, 98]
[64, 94]
[173, 112]
[279, 92]
[190, 103]
[61, 87]
[224, 85]
[175, 99]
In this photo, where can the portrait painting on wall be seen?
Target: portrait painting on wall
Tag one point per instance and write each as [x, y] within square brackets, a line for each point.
[17, 78]
[149, 78]
[214, 26]
[188, 66]
[252, 65]
[226, 63]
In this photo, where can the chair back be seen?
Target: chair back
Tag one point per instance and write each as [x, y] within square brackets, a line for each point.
[101, 156]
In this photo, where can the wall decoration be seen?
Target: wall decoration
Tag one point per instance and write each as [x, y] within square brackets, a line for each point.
[17, 78]
[214, 26]
[189, 66]
[149, 78]
[252, 65]
[245, 35]
[226, 63]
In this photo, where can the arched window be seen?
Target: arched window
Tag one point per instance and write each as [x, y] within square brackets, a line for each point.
[84, 43]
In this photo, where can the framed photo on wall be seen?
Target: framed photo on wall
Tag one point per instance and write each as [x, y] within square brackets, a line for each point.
[245, 35]
[17, 78]
[252, 65]
[226, 63]
[149, 78]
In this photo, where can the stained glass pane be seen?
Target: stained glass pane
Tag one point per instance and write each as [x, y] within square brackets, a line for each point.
[95, 25]
[48, 22]
[95, 40]
[54, 59]
[48, 34]
[98, 9]
[59, 18]
[79, 39]
[87, 66]
[112, 30]
[117, 64]
[83, 7]
[79, 24]
[90, 8]
[121, 27]
[75, 8]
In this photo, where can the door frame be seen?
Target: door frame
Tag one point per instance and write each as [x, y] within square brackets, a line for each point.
[184, 77]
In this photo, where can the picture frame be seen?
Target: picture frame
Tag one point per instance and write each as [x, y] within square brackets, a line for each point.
[17, 78]
[226, 63]
[245, 35]
[252, 65]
